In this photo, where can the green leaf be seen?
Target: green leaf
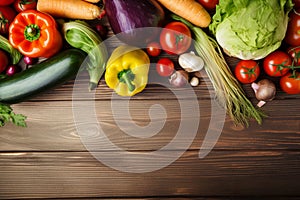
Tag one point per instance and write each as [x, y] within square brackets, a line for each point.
[7, 115]
[250, 29]
[19, 119]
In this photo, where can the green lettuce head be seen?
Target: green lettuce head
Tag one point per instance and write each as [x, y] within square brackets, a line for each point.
[250, 29]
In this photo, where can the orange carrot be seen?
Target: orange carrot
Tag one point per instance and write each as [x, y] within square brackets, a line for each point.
[73, 9]
[92, 1]
[189, 10]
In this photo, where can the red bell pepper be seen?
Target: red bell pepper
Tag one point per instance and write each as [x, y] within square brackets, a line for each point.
[35, 34]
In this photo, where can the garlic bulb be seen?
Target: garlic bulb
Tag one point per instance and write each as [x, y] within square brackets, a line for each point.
[190, 62]
[265, 90]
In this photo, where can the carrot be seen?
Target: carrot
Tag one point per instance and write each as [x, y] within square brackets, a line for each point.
[189, 10]
[92, 1]
[73, 9]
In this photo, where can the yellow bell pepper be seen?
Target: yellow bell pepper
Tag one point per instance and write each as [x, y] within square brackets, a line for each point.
[127, 70]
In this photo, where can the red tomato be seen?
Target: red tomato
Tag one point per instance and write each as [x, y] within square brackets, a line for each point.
[209, 4]
[21, 5]
[247, 71]
[165, 67]
[294, 52]
[275, 63]
[290, 84]
[6, 2]
[153, 49]
[175, 38]
[3, 61]
[7, 15]
[292, 36]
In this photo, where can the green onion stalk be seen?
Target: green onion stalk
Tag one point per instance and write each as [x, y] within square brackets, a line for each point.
[229, 93]
[80, 35]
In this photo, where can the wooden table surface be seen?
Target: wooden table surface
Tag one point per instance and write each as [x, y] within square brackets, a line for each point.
[48, 159]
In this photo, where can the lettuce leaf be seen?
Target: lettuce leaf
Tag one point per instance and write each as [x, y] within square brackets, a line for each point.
[250, 29]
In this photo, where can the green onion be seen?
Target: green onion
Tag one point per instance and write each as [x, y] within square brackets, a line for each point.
[229, 92]
[80, 35]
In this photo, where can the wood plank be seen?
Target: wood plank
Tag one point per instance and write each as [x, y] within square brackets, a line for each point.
[222, 173]
[158, 88]
[51, 127]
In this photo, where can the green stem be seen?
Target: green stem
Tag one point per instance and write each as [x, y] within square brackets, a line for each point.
[179, 38]
[126, 76]
[32, 32]
[24, 2]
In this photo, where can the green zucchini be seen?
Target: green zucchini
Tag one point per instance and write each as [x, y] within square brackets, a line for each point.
[41, 77]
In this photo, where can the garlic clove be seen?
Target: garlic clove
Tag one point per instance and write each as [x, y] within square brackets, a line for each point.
[191, 62]
[255, 87]
[261, 104]
[179, 78]
[194, 81]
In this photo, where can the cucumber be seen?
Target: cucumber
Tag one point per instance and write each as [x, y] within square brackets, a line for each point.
[43, 76]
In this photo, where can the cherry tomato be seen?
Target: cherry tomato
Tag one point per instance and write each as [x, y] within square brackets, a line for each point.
[247, 71]
[294, 52]
[209, 4]
[274, 64]
[165, 67]
[6, 2]
[21, 5]
[175, 38]
[290, 83]
[292, 36]
[3, 61]
[153, 49]
[7, 15]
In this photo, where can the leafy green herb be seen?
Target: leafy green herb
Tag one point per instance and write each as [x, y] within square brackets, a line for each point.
[7, 115]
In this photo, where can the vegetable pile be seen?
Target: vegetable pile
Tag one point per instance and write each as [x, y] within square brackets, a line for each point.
[53, 38]
[228, 91]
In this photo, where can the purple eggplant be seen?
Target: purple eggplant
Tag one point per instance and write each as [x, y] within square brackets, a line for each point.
[130, 20]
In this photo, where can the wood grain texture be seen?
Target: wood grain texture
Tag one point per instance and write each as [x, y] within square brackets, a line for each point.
[48, 160]
[222, 173]
[51, 127]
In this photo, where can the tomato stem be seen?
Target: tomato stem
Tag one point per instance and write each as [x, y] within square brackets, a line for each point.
[3, 23]
[179, 38]
[24, 2]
